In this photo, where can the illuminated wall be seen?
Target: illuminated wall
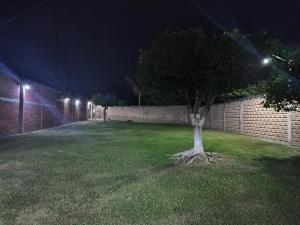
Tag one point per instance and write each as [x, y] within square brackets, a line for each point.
[43, 107]
[245, 116]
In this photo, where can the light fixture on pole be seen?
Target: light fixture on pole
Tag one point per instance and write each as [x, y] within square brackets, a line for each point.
[26, 86]
[66, 100]
[266, 61]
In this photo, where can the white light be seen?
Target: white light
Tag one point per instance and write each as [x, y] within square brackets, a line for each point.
[26, 87]
[66, 100]
[77, 102]
[266, 61]
[89, 103]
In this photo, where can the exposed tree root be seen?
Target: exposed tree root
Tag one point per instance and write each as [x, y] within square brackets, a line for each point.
[190, 156]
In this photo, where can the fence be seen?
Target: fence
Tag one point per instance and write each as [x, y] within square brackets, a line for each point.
[246, 116]
[34, 106]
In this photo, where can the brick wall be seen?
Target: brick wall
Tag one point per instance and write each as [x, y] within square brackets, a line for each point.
[232, 116]
[217, 117]
[44, 107]
[9, 105]
[266, 123]
[246, 116]
[149, 114]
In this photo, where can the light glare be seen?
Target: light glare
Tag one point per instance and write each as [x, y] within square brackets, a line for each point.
[266, 61]
[26, 87]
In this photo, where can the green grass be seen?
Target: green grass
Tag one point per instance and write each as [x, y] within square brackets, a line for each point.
[119, 173]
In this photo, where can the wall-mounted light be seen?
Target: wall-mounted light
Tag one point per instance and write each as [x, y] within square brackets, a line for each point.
[266, 61]
[26, 86]
[77, 102]
[66, 100]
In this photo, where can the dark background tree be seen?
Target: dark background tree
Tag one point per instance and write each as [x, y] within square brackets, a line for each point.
[278, 74]
[105, 101]
[282, 88]
[137, 87]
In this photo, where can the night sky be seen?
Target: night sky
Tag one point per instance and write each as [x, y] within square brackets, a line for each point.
[89, 46]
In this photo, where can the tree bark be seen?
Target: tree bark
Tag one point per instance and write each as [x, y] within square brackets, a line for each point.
[190, 155]
[198, 143]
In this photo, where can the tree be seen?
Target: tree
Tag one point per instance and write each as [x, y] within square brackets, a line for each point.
[194, 68]
[282, 67]
[135, 89]
[105, 101]
[277, 74]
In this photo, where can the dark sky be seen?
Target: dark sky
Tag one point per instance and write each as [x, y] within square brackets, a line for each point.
[89, 46]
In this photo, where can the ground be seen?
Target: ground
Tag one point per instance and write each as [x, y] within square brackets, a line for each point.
[119, 173]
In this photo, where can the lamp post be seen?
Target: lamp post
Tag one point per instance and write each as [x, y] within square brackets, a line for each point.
[23, 88]
[268, 60]
[66, 108]
[77, 104]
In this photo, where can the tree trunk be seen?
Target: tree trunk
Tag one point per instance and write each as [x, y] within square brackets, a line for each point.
[140, 100]
[104, 114]
[198, 144]
[190, 155]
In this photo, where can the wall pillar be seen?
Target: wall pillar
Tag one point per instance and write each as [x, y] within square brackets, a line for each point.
[42, 107]
[21, 110]
[91, 111]
[224, 117]
[241, 116]
[289, 121]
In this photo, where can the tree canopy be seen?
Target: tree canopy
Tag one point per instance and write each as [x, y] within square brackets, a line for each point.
[282, 88]
[104, 100]
[191, 67]
[196, 68]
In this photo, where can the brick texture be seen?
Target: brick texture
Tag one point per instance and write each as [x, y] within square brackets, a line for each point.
[232, 116]
[148, 114]
[9, 114]
[8, 87]
[296, 128]
[217, 117]
[266, 123]
[32, 117]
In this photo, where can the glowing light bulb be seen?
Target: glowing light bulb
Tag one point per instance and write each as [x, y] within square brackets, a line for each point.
[26, 87]
[266, 61]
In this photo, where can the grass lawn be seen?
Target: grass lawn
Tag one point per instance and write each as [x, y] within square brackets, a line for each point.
[119, 173]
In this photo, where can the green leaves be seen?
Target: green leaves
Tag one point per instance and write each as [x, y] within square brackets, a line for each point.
[179, 65]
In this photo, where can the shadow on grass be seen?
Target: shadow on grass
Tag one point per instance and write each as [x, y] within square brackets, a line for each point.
[286, 170]
[114, 183]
